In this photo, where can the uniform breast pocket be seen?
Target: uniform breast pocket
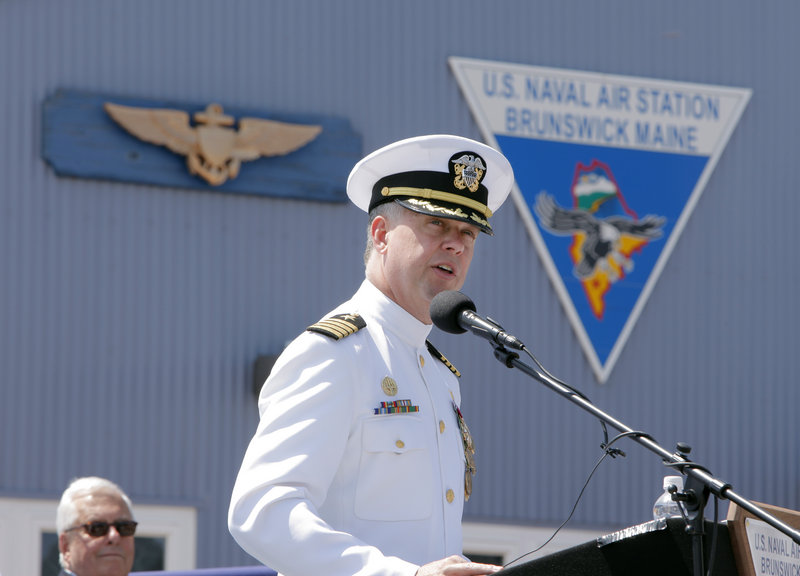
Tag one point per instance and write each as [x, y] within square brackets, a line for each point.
[395, 480]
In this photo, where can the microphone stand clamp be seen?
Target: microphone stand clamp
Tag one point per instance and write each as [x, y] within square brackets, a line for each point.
[503, 355]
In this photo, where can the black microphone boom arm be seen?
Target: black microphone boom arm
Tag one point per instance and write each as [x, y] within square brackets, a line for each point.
[700, 479]
[454, 312]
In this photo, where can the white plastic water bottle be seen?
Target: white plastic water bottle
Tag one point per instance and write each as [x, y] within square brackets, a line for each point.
[665, 506]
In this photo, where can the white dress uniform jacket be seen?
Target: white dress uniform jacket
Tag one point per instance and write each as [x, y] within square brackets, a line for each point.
[327, 486]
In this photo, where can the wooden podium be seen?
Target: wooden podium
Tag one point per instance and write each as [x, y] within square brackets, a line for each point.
[650, 549]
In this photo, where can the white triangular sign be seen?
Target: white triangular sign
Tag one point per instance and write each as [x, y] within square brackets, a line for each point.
[608, 170]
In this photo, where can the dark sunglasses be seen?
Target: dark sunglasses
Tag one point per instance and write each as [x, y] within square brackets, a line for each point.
[101, 528]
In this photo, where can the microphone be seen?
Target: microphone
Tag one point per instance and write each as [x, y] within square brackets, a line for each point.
[454, 312]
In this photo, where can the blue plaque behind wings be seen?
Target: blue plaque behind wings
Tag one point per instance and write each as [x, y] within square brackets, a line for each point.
[80, 139]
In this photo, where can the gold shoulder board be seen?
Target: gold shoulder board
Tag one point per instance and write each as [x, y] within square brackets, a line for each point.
[338, 326]
[436, 354]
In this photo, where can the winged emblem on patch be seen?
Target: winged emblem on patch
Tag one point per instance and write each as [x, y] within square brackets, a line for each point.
[214, 149]
[603, 236]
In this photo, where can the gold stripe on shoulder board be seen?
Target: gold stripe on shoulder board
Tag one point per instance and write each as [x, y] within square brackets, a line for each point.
[439, 356]
[338, 326]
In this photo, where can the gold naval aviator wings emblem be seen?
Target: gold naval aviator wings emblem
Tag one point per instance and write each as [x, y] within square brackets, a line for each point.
[213, 149]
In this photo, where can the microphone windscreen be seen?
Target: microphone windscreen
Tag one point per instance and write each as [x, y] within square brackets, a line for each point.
[446, 307]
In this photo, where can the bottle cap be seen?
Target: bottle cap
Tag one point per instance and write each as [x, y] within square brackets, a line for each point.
[673, 480]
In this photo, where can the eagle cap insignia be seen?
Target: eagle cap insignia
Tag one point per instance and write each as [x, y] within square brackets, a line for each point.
[468, 170]
[214, 149]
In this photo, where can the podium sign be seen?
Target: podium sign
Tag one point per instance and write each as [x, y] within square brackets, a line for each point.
[760, 549]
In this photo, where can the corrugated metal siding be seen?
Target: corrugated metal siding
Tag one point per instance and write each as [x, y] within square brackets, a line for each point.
[131, 316]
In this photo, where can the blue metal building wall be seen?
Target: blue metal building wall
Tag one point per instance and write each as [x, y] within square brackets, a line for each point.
[130, 316]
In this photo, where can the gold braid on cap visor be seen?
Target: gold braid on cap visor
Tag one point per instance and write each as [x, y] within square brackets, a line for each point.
[438, 195]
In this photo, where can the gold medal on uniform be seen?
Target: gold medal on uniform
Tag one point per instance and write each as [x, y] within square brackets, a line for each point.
[389, 386]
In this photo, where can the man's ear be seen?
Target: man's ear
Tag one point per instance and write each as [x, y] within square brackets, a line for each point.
[62, 543]
[379, 229]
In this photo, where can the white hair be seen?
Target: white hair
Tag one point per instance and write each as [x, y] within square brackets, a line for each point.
[67, 512]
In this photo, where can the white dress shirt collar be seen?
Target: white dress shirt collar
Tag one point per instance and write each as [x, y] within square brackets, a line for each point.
[393, 318]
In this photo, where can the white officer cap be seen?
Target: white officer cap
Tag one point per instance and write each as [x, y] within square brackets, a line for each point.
[441, 175]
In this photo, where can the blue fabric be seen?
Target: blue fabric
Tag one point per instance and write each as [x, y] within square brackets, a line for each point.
[237, 571]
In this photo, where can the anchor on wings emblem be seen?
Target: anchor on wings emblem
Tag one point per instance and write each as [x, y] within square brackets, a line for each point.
[214, 150]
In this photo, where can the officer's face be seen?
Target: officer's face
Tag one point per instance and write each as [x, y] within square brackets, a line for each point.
[109, 555]
[424, 255]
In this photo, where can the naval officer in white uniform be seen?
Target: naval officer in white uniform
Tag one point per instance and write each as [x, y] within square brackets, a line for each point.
[361, 461]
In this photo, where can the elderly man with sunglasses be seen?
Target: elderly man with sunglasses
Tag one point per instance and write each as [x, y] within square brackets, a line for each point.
[95, 529]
